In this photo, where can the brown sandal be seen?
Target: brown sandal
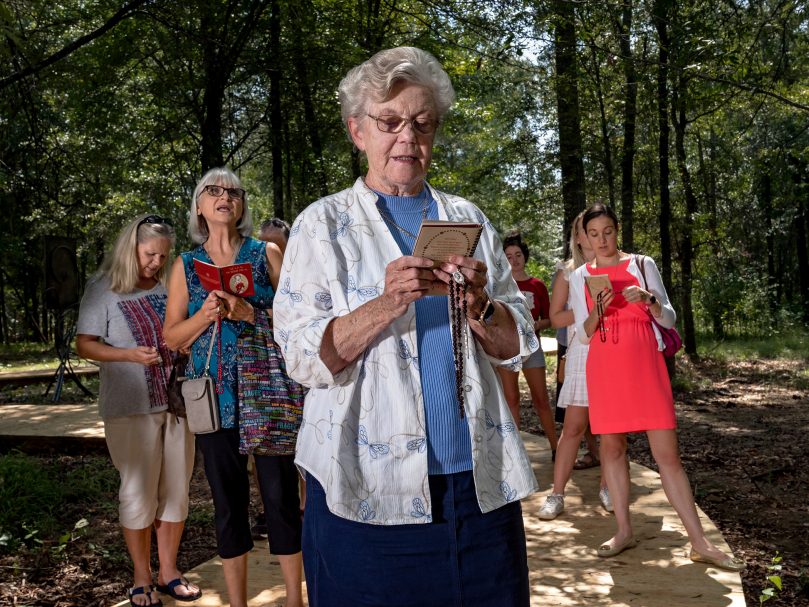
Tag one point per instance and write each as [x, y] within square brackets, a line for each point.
[588, 461]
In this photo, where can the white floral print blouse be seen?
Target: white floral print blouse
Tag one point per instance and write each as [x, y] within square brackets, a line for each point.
[363, 435]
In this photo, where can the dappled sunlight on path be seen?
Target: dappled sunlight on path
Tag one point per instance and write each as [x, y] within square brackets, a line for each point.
[564, 568]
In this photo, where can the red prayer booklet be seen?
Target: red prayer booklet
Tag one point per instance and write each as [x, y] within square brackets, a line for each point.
[236, 279]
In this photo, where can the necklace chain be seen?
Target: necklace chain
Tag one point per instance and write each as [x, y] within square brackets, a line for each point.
[395, 225]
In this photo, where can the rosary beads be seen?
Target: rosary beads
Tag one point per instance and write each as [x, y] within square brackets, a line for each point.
[601, 329]
[457, 293]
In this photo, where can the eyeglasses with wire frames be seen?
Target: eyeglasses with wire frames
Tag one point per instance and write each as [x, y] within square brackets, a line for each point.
[156, 219]
[218, 190]
[389, 123]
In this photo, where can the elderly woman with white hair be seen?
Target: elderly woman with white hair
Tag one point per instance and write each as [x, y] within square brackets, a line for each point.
[414, 465]
[220, 221]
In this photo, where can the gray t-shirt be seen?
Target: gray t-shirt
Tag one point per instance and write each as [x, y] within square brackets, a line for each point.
[126, 321]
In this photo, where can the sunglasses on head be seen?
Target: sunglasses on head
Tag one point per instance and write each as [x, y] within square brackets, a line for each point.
[156, 219]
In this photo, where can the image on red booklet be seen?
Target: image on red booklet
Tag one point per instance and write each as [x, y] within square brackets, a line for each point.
[236, 279]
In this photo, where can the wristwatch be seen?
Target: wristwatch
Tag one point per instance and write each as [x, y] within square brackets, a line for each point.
[487, 311]
[652, 301]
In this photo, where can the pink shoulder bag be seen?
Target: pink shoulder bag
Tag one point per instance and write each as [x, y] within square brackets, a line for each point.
[671, 339]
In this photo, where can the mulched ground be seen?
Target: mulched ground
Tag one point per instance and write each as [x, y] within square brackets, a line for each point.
[96, 570]
[743, 430]
[743, 435]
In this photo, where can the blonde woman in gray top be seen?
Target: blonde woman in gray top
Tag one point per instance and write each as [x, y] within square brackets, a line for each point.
[125, 305]
[573, 396]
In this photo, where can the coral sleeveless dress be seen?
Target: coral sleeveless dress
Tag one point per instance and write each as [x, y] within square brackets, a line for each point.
[627, 381]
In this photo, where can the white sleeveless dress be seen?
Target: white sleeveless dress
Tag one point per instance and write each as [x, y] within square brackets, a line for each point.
[574, 390]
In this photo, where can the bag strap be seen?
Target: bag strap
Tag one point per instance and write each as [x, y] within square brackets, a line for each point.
[208, 360]
[236, 252]
[210, 348]
[641, 261]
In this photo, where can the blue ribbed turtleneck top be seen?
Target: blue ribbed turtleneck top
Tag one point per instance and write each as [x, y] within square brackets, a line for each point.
[449, 448]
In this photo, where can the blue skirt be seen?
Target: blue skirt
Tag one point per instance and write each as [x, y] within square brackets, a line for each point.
[463, 558]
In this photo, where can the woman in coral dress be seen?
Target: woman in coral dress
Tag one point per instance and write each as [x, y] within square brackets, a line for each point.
[627, 381]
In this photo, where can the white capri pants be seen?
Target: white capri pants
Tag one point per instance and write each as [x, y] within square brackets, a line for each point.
[155, 457]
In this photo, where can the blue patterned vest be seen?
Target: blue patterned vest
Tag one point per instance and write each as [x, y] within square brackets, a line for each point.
[253, 252]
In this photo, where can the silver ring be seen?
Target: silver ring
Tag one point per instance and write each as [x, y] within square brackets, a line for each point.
[458, 277]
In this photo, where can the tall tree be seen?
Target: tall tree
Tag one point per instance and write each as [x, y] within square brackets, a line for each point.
[276, 118]
[687, 242]
[769, 235]
[571, 157]
[630, 115]
[225, 32]
[661, 17]
[605, 135]
[299, 60]
[800, 190]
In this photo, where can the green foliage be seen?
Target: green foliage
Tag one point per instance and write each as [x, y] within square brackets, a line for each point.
[126, 125]
[7, 26]
[803, 580]
[200, 515]
[37, 501]
[768, 592]
[25, 355]
[789, 345]
[537, 269]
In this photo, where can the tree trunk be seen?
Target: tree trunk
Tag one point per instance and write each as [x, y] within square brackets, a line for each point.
[288, 156]
[604, 132]
[663, 146]
[44, 324]
[719, 307]
[3, 319]
[571, 157]
[211, 126]
[28, 329]
[800, 229]
[225, 30]
[211, 136]
[309, 110]
[276, 120]
[712, 196]
[769, 239]
[686, 262]
[628, 157]
[33, 291]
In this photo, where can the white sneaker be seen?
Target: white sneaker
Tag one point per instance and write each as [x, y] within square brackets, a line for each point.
[606, 500]
[554, 506]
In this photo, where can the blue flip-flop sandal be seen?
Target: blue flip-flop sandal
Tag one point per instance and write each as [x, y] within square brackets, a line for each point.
[169, 589]
[135, 591]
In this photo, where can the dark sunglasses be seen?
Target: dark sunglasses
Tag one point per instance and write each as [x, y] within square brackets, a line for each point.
[156, 219]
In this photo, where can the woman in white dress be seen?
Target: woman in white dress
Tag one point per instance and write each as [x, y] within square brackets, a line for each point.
[573, 396]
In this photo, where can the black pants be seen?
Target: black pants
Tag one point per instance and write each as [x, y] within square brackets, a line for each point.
[559, 414]
[227, 474]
